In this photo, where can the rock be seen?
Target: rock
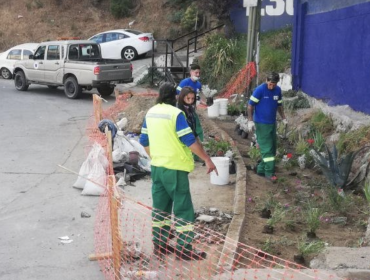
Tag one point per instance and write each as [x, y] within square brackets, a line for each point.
[213, 209]
[206, 218]
[85, 215]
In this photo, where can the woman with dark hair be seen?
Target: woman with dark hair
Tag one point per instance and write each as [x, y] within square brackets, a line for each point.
[186, 103]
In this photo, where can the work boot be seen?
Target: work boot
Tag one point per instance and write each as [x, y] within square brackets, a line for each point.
[163, 250]
[187, 255]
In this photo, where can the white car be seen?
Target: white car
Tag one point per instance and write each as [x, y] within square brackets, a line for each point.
[124, 43]
[9, 57]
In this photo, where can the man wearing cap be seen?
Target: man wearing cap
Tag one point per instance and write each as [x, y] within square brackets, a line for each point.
[193, 82]
[263, 105]
[169, 141]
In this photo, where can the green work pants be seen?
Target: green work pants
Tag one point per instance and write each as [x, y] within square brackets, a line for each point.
[199, 131]
[170, 191]
[266, 139]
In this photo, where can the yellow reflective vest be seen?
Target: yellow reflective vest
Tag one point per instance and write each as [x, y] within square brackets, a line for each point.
[166, 149]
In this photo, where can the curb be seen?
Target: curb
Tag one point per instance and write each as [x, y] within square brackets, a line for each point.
[229, 250]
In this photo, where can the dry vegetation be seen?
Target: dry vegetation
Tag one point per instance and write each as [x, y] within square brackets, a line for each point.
[26, 21]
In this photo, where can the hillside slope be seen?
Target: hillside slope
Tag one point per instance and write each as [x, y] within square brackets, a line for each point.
[25, 21]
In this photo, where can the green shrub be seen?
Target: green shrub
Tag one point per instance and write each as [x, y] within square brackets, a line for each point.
[190, 18]
[176, 16]
[321, 122]
[221, 60]
[300, 102]
[121, 8]
[349, 142]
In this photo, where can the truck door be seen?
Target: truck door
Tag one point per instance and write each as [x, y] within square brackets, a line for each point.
[53, 64]
[35, 67]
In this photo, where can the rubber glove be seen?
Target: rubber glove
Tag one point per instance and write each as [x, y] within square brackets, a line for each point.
[251, 126]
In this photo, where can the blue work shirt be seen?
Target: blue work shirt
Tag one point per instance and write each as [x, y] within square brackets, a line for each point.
[188, 82]
[266, 103]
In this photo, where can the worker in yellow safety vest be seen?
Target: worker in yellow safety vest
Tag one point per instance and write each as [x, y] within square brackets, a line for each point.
[169, 141]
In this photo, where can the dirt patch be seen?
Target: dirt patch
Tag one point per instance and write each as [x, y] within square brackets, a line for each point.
[294, 188]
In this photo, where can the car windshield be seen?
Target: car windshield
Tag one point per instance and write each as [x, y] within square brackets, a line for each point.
[83, 51]
[136, 32]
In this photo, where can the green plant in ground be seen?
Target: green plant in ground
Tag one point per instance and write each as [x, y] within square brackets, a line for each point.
[338, 201]
[293, 136]
[268, 246]
[313, 218]
[222, 59]
[232, 110]
[121, 8]
[349, 142]
[335, 169]
[299, 102]
[307, 248]
[276, 216]
[176, 16]
[190, 18]
[301, 147]
[289, 93]
[254, 154]
[319, 141]
[321, 122]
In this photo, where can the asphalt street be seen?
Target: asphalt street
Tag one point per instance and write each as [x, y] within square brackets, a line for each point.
[39, 129]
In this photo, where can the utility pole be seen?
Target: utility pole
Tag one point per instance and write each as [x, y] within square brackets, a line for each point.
[254, 23]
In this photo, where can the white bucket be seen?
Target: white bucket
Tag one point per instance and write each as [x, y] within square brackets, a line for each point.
[222, 165]
[213, 111]
[223, 106]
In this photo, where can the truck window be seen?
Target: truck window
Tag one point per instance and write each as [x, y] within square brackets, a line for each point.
[73, 52]
[40, 53]
[53, 52]
[15, 54]
[84, 51]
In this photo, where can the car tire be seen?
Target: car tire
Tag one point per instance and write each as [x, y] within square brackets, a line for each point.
[6, 74]
[53, 87]
[105, 90]
[129, 53]
[20, 81]
[71, 88]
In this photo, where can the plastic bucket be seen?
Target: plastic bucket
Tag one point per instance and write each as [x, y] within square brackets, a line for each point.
[223, 106]
[213, 111]
[222, 165]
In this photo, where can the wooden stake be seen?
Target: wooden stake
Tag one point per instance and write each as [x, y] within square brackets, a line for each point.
[97, 108]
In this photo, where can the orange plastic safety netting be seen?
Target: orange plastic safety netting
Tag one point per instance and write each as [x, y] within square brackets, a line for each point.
[241, 81]
[124, 247]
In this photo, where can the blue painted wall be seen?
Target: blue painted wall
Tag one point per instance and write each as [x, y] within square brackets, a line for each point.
[275, 14]
[331, 52]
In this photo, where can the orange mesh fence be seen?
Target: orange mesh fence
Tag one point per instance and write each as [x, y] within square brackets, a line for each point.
[241, 81]
[125, 250]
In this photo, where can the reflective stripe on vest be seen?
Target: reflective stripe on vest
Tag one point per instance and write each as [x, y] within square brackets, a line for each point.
[166, 149]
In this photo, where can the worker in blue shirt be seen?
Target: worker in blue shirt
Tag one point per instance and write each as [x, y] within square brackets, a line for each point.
[168, 139]
[193, 82]
[263, 106]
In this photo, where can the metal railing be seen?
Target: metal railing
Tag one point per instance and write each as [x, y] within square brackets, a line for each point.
[192, 41]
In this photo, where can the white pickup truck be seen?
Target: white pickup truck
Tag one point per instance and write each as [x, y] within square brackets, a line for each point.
[76, 64]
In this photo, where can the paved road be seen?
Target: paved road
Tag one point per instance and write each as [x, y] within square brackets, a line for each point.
[40, 129]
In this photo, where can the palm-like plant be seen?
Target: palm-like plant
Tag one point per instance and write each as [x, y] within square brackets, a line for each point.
[336, 169]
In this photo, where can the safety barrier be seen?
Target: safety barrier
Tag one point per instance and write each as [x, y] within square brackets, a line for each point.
[123, 236]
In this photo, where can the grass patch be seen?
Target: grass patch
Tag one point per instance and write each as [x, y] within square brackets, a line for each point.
[321, 123]
[349, 142]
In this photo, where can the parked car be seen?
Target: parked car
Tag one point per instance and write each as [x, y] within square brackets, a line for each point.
[75, 64]
[10, 56]
[124, 43]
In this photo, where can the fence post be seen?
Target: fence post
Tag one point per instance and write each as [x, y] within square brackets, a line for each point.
[97, 108]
